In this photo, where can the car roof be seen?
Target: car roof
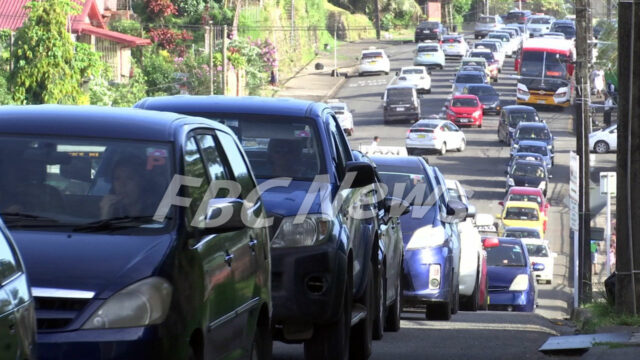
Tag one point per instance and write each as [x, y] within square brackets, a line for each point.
[218, 104]
[533, 142]
[523, 190]
[96, 121]
[371, 50]
[520, 108]
[411, 161]
[522, 204]
[412, 68]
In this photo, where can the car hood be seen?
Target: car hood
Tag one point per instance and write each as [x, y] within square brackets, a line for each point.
[488, 99]
[423, 216]
[99, 262]
[527, 181]
[287, 200]
[501, 277]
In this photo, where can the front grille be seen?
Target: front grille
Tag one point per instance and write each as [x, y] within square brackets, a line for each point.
[57, 313]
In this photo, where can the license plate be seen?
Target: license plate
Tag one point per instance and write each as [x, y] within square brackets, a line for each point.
[465, 120]
[421, 136]
[451, 46]
[399, 109]
[372, 63]
[541, 102]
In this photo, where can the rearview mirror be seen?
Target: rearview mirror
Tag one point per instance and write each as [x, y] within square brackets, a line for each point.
[364, 173]
[456, 211]
[471, 211]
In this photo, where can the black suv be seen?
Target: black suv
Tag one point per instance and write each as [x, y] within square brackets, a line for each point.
[567, 27]
[429, 30]
[517, 17]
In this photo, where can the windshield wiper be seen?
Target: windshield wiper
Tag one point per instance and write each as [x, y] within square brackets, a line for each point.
[23, 219]
[114, 223]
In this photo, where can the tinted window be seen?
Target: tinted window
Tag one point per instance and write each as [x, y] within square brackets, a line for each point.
[516, 117]
[413, 71]
[486, 20]
[483, 54]
[520, 213]
[543, 21]
[490, 46]
[427, 49]
[371, 55]
[429, 25]
[531, 170]
[238, 164]
[194, 167]
[400, 94]
[524, 233]
[464, 103]
[469, 79]
[482, 90]
[532, 133]
[542, 150]
[537, 250]
[9, 266]
[506, 255]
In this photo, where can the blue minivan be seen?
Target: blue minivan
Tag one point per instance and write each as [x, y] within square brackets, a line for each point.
[137, 242]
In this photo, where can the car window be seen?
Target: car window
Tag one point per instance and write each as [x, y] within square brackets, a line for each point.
[536, 133]
[427, 49]
[531, 170]
[429, 25]
[194, 166]
[338, 109]
[372, 55]
[469, 79]
[521, 213]
[506, 255]
[487, 55]
[486, 20]
[239, 166]
[537, 250]
[542, 21]
[482, 90]
[341, 148]
[399, 93]
[413, 71]
[523, 233]
[464, 103]
[542, 150]
[524, 197]
[9, 265]
[516, 117]
[404, 181]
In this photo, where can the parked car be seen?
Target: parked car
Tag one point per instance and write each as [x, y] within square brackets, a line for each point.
[324, 279]
[485, 24]
[517, 16]
[400, 103]
[540, 253]
[528, 174]
[17, 308]
[604, 140]
[539, 24]
[465, 78]
[429, 30]
[454, 45]
[429, 55]
[344, 115]
[533, 146]
[416, 76]
[521, 233]
[432, 245]
[465, 110]
[534, 195]
[566, 27]
[390, 256]
[440, 135]
[373, 61]
[511, 116]
[537, 131]
[488, 96]
[118, 269]
[473, 288]
[512, 284]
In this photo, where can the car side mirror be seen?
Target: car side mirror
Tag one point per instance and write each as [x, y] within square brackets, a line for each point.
[538, 267]
[456, 211]
[224, 214]
[363, 171]
[501, 203]
[471, 211]
[396, 207]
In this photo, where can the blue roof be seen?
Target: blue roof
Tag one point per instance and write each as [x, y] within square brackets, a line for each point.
[532, 124]
[532, 142]
[217, 104]
[93, 121]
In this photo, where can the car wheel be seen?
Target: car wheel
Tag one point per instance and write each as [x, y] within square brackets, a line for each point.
[480, 125]
[443, 148]
[331, 341]
[549, 282]
[441, 67]
[470, 303]
[601, 147]
[463, 145]
[455, 304]
[496, 79]
[380, 305]
[485, 303]
[262, 345]
[393, 313]
[361, 336]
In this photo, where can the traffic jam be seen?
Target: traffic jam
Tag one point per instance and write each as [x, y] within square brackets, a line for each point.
[229, 223]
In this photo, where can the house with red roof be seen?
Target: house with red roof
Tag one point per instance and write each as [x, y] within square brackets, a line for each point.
[90, 27]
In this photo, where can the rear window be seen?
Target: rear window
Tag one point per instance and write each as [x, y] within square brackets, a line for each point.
[486, 20]
[537, 250]
[429, 25]
[452, 40]
[515, 15]
[542, 150]
[482, 90]
[522, 233]
[533, 133]
[524, 197]
[521, 213]
[422, 130]
[423, 49]
[543, 21]
[413, 71]
[399, 94]
[516, 117]
[373, 54]
[469, 79]
[464, 103]
[486, 55]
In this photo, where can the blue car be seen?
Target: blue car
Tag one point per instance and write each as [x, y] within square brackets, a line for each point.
[512, 285]
[538, 131]
[534, 146]
[432, 243]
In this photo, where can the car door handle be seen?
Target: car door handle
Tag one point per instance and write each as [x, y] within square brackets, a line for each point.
[228, 259]
[252, 245]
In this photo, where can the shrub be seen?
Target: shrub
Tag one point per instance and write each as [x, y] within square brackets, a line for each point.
[130, 27]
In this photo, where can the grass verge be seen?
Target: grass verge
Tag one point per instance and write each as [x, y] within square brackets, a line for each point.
[602, 314]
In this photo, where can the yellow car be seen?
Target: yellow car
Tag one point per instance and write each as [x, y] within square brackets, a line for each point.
[522, 214]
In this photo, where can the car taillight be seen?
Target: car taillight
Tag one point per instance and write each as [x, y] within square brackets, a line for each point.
[408, 132]
[435, 30]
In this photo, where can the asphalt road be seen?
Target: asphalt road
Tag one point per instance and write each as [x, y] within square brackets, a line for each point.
[480, 169]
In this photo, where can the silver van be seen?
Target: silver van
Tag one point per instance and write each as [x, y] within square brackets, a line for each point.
[486, 24]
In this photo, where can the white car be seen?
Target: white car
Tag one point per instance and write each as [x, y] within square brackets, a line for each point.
[344, 115]
[471, 251]
[454, 45]
[440, 135]
[417, 76]
[604, 140]
[539, 252]
[499, 55]
[374, 61]
[539, 24]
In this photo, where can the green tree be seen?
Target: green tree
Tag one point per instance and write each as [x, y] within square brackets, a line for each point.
[43, 56]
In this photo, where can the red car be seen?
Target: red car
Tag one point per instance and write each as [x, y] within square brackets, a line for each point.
[519, 193]
[465, 110]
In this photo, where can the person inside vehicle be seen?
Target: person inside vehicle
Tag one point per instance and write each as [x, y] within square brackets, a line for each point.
[129, 195]
[284, 156]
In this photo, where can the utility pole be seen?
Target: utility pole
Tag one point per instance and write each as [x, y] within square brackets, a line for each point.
[584, 124]
[210, 31]
[377, 18]
[608, 13]
[628, 161]
[335, 48]
[224, 60]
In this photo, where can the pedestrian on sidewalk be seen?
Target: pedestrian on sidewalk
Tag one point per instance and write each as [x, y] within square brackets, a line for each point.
[374, 143]
[608, 109]
[597, 80]
[594, 256]
[612, 256]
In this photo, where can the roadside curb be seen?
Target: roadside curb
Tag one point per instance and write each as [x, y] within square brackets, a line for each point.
[334, 89]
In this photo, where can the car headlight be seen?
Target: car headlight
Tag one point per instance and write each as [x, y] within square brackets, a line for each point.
[523, 92]
[477, 113]
[542, 185]
[510, 182]
[141, 304]
[312, 230]
[520, 283]
[426, 237]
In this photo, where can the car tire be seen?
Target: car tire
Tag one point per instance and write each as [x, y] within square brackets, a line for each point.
[262, 345]
[441, 67]
[480, 125]
[386, 73]
[601, 147]
[455, 303]
[331, 341]
[463, 145]
[471, 302]
[361, 335]
[393, 312]
[380, 305]
[443, 148]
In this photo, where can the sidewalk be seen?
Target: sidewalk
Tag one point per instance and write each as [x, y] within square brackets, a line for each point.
[319, 85]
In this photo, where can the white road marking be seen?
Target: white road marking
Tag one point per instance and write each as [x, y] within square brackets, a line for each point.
[361, 83]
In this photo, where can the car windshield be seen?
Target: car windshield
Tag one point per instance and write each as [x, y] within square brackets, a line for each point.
[537, 133]
[60, 181]
[521, 213]
[372, 55]
[482, 90]
[533, 61]
[568, 31]
[413, 71]
[526, 116]
[542, 150]
[487, 55]
[464, 103]
[427, 49]
[524, 197]
[522, 233]
[530, 170]
[506, 255]
[279, 147]
[474, 63]
[429, 25]
[399, 94]
[541, 21]
[537, 250]
[406, 184]
[469, 79]
[486, 20]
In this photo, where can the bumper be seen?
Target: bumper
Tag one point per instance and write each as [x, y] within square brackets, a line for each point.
[401, 115]
[429, 63]
[517, 300]
[415, 279]
[307, 284]
[369, 69]
[426, 36]
[423, 144]
[454, 52]
[128, 343]
[542, 100]
[546, 275]
[464, 121]
[492, 108]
